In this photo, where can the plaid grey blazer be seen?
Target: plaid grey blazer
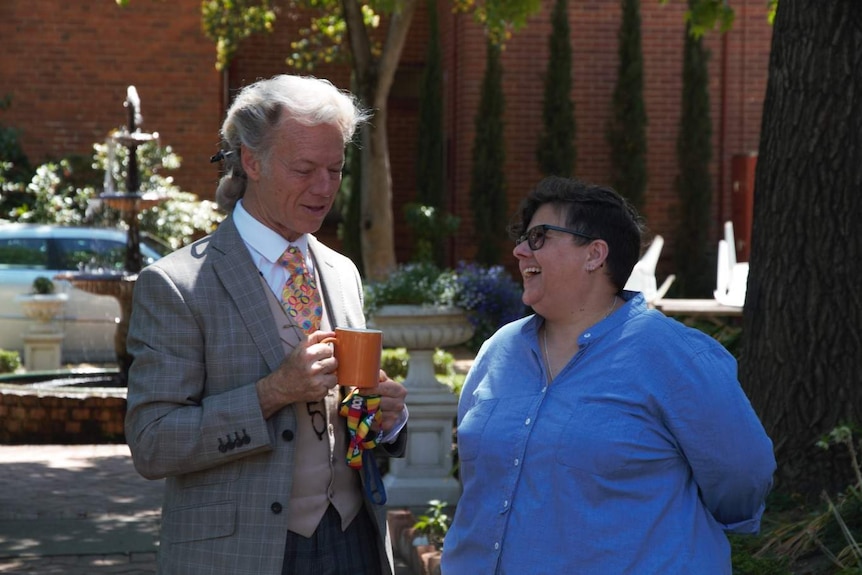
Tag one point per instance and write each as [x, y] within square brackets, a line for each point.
[201, 334]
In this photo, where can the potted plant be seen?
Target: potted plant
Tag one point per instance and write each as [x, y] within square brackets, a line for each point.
[415, 307]
[42, 303]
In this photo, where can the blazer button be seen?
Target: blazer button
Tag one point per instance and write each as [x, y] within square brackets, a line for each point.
[287, 435]
[276, 507]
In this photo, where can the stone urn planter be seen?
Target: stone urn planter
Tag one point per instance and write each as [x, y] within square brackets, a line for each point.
[42, 308]
[426, 471]
[43, 342]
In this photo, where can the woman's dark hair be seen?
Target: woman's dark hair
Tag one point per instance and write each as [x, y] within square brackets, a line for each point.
[596, 211]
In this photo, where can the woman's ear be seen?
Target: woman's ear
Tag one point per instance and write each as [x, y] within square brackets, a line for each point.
[597, 253]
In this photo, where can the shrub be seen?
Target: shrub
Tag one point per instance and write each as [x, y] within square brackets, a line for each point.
[395, 362]
[43, 286]
[412, 284]
[9, 361]
[491, 297]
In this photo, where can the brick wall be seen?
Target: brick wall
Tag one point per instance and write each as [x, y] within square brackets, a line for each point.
[29, 416]
[67, 65]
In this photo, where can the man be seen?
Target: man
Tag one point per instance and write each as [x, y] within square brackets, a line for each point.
[232, 394]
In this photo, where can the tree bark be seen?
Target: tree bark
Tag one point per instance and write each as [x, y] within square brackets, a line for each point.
[802, 356]
[374, 80]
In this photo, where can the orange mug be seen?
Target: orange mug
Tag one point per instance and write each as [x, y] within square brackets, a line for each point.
[357, 352]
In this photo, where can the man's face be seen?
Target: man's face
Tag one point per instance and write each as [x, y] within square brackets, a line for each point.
[295, 189]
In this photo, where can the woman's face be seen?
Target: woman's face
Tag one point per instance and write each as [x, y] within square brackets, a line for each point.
[553, 273]
[294, 191]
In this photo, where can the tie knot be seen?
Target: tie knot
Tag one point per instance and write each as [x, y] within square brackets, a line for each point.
[292, 260]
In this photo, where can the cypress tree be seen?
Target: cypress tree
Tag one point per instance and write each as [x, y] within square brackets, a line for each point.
[556, 152]
[487, 185]
[430, 162]
[627, 127]
[695, 272]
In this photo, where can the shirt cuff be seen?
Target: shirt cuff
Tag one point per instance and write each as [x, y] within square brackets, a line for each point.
[391, 435]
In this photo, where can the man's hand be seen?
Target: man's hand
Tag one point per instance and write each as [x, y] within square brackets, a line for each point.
[307, 374]
[392, 396]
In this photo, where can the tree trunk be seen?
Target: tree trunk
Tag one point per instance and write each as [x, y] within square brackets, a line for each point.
[374, 77]
[802, 357]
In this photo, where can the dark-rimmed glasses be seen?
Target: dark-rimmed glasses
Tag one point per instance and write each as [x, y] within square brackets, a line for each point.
[318, 419]
[535, 236]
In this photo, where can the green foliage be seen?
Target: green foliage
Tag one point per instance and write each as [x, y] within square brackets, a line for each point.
[43, 286]
[703, 16]
[14, 165]
[499, 18]
[826, 540]
[227, 22]
[66, 193]
[487, 184]
[430, 227]
[490, 296]
[435, 524]
[429, 222]
[9, 361]
[419, 283]
[695, 275]
[556, 150]
[395, 361]
[349, 204]
[627, 126]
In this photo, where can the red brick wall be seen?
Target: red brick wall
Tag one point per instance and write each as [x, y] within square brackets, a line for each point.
[40, 417]
[67, 65]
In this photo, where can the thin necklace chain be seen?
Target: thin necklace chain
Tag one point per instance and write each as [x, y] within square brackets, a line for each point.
[547, 357]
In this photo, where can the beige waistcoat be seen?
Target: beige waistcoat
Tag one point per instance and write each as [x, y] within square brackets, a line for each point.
[321, 475]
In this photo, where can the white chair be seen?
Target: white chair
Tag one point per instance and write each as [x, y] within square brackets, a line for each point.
[643, 278]
[731, 278]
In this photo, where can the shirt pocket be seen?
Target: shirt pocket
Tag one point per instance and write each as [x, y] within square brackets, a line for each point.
[472, 428]
[599, 439]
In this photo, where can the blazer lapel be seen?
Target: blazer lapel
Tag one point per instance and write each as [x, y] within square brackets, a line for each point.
[235, 269]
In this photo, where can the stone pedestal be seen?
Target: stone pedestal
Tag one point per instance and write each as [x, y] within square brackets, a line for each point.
[425, 473]
[43, 351]
[43, 343]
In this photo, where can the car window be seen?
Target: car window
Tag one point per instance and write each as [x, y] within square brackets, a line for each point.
[24, 253]
[90, 254]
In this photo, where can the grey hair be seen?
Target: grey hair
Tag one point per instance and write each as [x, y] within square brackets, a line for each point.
[260, 108]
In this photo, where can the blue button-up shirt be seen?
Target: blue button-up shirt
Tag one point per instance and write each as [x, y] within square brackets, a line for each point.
[636, 459]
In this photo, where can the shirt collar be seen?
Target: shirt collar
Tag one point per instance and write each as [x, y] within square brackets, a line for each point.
[262, 239]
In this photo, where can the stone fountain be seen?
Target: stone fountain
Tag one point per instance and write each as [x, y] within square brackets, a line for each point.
[129, 203]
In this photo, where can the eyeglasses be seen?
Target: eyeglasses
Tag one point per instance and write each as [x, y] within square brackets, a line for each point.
[535, 236]
[318, 419]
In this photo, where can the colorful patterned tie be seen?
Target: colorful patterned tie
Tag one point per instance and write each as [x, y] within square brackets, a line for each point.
[300, 298]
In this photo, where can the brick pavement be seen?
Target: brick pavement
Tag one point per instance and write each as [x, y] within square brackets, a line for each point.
[78, 510]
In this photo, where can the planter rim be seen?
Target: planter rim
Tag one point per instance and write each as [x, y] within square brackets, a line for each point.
[414, 309]
[47, 297]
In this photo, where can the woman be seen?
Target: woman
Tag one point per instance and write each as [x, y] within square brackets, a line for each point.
[598, 436]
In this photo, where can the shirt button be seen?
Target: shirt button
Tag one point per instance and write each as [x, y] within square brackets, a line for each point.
[497, 545]
[287, 435]
[528, 421]
[505, 504]
[517, 462]
[276, 507]
[586, 335]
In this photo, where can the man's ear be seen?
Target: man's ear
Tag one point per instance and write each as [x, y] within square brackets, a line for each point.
[251, 164]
